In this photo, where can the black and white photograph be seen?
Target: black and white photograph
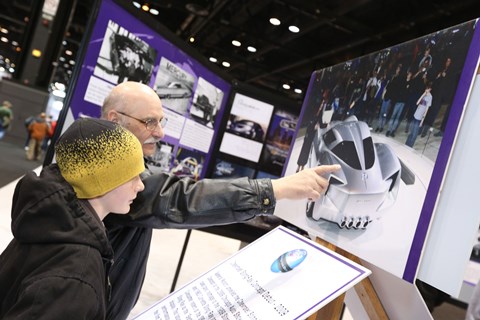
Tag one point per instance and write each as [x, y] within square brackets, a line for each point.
[124, 57]
[206, 103]
[174, 86]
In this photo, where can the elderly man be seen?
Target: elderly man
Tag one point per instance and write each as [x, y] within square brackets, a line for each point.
[172, 202]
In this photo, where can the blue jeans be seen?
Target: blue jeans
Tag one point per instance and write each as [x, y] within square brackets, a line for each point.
[395, 118]
[382, 117]
[414, 131]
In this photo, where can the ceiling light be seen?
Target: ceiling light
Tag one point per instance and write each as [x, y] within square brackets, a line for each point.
[298, 90]
[155, 12]
[225, 64]
[145, 7]
[136, 4]
[286, 86]
[251, 49]
[14, 43]
[236, 43]
[3, 30]
[68, 52]
[36, 53]
[3, 39]
[213, 59]
[192, 39]
[275, 21]
[294, 29]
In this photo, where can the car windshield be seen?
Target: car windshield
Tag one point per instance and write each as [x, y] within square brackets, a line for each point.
[346, 151]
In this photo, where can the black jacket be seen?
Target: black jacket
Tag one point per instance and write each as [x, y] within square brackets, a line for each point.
[170, 202]
[55, 267]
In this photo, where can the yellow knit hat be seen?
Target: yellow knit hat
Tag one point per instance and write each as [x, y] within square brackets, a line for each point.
[95, 156]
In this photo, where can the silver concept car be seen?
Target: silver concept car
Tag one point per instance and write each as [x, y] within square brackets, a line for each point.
[368, 181]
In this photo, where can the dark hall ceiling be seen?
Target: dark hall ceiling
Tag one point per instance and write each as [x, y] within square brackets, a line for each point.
[331, 32]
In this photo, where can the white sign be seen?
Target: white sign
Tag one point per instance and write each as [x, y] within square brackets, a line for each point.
[282, 275]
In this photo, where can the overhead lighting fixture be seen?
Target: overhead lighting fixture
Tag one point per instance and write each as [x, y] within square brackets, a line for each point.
[155, 12]
[286, 86]
[251, 49]
[145, 7]
[294, 29]
[226, 64]
[236, 43]
[3, 30]
[298, 90]
[36, 53]
[213, 59]
[14, 43]
[275, 21]
[3, 39]
[136, 4]
[191, 39]
[68, 52]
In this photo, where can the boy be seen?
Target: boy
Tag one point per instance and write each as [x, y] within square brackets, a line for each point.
[57, 265]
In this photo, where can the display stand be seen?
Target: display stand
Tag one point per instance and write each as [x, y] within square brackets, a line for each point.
[364, 290]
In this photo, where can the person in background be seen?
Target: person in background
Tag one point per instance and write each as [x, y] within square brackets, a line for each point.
[27, 122]
[38, 131]
[172, 202]
[51, 129]
[56, 266]
[423, 104]
[6, 117]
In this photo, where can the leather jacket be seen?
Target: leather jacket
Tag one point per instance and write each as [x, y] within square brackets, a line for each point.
[172, 202]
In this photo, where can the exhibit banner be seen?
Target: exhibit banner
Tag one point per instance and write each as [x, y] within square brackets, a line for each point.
[281, 275]
[123, 48]
[390, 120]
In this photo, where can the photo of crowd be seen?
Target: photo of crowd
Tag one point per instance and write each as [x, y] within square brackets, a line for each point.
[404, 92]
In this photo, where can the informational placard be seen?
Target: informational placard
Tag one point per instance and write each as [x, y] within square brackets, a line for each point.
[123, 48]
[247, 127]
[282, 275]
[389, 119]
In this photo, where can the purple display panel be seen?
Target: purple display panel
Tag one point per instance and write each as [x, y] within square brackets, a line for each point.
[123, 48]
[389, 119]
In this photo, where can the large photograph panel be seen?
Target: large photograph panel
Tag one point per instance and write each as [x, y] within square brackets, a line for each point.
[385, 118]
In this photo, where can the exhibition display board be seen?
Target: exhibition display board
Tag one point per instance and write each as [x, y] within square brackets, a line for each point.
[123, 48]
[380, 204]
[279, 276]
[452, 248]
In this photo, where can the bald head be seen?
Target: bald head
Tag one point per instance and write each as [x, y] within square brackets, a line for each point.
[127, 96]
[130, 104]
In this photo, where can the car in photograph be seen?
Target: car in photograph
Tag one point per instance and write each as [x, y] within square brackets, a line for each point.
[174, 90]
[368, 181]
[203, 104]
[224, 169]
[188, 167]
[247, 129]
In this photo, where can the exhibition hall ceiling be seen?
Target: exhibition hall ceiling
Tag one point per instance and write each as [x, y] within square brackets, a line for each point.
[329, 32]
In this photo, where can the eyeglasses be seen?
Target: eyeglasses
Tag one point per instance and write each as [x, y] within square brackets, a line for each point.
[150, 124]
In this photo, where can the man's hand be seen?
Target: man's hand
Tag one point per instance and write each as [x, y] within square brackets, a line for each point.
[308, 183]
